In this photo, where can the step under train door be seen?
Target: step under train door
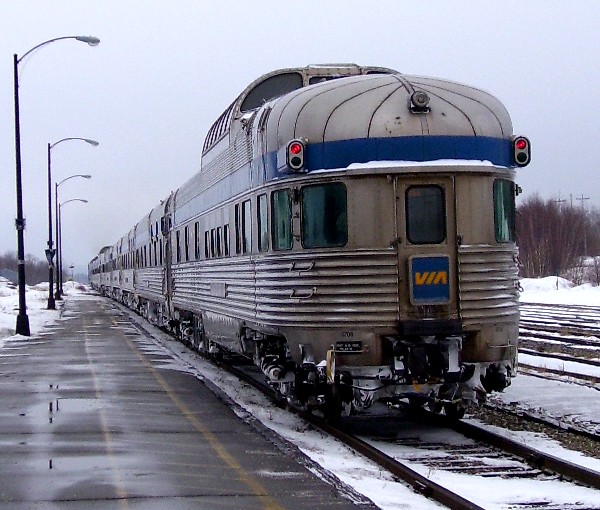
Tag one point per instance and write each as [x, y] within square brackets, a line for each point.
[427, 259]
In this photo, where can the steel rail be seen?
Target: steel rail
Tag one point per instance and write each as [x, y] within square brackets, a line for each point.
[536, 371]
[533, 457]
[562, 357]
[551, 423]
[532, 334]
[420, 483]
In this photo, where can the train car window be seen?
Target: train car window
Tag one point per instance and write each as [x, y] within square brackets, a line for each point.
[238, 235]
[425, 215]
[178, 245]
[213, 247]
[186, 243]
[226, 240]
[196, 241]
[504, 210]
[281, 217]
[324, 216]
[219, 242]
[320, 79]
[207, 244]
[269, 88]
[219, 127]
[263, 227]
[246, 227]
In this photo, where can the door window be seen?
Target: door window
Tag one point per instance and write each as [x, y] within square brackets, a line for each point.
[425, 214]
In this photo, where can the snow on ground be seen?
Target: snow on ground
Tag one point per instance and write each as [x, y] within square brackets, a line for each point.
[37, 304]
[566, 401]
[556, 290]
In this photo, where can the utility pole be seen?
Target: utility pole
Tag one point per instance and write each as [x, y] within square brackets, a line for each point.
[583, 198]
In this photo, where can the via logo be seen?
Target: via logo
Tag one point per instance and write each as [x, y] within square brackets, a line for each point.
[429, 279]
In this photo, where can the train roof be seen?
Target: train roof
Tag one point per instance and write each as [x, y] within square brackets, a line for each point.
[389, 117]
[278, 83]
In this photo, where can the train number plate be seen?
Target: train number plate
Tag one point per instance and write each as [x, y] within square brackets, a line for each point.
[349, 346]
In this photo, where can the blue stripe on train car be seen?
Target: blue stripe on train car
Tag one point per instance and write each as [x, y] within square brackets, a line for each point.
[341, 153]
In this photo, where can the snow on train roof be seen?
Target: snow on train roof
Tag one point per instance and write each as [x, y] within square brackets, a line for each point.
[386, 166]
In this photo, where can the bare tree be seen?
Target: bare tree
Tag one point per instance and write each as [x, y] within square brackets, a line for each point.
[551, 236]
[36, 271]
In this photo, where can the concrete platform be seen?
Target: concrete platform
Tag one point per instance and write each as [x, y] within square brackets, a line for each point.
[91, 419]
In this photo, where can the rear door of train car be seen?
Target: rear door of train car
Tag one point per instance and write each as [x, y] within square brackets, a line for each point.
[426, 240]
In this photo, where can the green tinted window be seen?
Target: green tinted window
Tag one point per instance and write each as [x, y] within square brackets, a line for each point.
[246, 227]
[282, 220]
[263, 229]
[504, 210]
[324, 216]
[425, 215]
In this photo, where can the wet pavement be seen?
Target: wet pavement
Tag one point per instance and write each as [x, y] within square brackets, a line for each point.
[94, 415]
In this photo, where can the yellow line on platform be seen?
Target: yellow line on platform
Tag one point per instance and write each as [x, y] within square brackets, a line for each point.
[256, 487]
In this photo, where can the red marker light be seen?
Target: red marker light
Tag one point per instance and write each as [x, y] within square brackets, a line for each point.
[295, 155]
[521, 151]
[520, 144]
[295, 148]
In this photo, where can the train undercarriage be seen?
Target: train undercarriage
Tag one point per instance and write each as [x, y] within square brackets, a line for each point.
[418, 370]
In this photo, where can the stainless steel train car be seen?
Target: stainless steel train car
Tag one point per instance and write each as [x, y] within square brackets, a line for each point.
[352, 231]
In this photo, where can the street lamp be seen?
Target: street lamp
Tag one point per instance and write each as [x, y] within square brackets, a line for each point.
[58, 294]
[59, 289]
[22, 327]
[51, 252]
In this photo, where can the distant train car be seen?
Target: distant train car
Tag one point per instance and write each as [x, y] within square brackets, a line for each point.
[352, 230]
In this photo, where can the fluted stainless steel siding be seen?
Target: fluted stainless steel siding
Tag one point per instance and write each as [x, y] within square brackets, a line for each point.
[149, 283]
[488, 283]
[358, 288]
[224, 286]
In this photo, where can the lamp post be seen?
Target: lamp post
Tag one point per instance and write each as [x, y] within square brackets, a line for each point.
[58, 294]
[22, 327]
[50, 252]
[59, 288]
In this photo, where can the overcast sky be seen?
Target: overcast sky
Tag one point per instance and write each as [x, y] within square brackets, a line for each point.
[165, 70]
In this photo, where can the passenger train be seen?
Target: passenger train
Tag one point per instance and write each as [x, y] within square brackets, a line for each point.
[352, 231]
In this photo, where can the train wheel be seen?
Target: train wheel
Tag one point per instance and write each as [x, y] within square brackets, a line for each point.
[454, 411]
[332, 408]
[435, 406]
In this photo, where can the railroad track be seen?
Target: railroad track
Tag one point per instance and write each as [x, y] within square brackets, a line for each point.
[533, 463]
[522, 461]
[568, 333]
[564, 320]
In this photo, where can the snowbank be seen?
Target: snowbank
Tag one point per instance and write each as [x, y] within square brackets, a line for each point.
[556, 290]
